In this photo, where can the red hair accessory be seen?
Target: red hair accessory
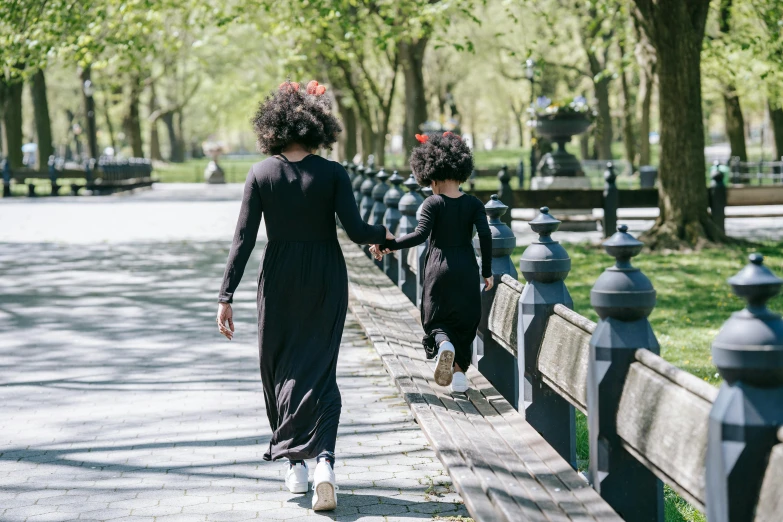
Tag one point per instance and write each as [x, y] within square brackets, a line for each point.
[287, 86]
[315, 89]
[422, 138]
[449, 133]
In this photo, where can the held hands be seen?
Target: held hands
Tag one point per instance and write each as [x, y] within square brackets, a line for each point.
[376, 250]
[489, 282]
[225, 320]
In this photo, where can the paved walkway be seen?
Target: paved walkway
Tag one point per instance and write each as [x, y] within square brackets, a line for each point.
[119, 401]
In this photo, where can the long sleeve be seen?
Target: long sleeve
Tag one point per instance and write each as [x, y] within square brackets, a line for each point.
[244, 239]
[422, 232]
[345, 206]
[485, 239]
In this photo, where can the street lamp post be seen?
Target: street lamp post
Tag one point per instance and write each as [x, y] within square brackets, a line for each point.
[530, 73]
[88, 89]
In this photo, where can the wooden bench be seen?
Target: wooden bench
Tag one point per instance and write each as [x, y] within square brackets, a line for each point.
[502, 468]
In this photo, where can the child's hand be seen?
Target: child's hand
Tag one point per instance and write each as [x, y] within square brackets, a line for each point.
[489, 282]
[375, 250]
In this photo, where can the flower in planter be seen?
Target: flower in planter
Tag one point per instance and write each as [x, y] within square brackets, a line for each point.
[570, 107]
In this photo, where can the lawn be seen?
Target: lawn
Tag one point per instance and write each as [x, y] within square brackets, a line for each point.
[694, 300]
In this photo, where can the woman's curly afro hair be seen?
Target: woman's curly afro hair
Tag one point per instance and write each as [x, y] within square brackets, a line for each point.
[441, 158]
[291, 115]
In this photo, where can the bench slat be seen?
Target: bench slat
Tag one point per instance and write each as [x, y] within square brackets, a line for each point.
[664, 425]
[563, 358]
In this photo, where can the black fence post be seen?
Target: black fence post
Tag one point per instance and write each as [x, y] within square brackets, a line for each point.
[497, 364]
[544, 265]
[378, 207]
[53, 175]
[623, 297]
[421, 251]
[409, 204]
[505, 194]
[718, 197]
[365, 207]
[747, 413]
[391, 220]
[31, 190]
[521, 174]
[6, 178]
[357, 184]
[472, 180]
[611, 200]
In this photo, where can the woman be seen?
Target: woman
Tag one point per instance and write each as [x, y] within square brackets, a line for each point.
[303, 282]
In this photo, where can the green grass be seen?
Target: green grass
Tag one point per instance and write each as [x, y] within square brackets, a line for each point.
[694, 300]
[192, 171]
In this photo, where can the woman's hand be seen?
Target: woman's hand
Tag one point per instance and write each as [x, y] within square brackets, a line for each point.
[225, 320]
[375, 250]
[489, 282]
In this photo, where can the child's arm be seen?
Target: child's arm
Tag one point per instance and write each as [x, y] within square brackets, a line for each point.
[422, 232]
[485, 239]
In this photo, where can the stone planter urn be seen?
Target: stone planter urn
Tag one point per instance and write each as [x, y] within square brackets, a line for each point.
[560, 168]
[213, 174]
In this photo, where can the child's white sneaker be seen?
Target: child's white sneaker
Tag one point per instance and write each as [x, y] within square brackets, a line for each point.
[444, 364]
[296, 478]
[324, 495]
[459, 383]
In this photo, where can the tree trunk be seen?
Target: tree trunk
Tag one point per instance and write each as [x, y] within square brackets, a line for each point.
[168, 121]
[776, 118]
[412, 58]
[735, 123]
[349, 145]
[646, 86]
[109, 124]
[677, 33]
[43, 125]
[603, 128]
[629, 136]
[368, 140]
[179, 157]
[133, 120]
[89, 114]
[155, 154]
[12, 121]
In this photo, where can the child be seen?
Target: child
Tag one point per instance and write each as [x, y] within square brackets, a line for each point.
[451, 301]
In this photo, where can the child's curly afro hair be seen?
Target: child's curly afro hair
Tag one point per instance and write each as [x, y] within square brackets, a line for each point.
[441, 158]
[290, 115]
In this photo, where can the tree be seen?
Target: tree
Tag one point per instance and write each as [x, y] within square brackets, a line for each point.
[676, 29]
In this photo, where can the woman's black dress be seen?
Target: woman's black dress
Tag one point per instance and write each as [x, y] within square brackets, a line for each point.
[302, 293]
[451, 298]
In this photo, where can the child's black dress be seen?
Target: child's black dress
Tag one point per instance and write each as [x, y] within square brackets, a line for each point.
[451, 300]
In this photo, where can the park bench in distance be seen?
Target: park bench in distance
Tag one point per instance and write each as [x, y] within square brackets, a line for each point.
[649, 422]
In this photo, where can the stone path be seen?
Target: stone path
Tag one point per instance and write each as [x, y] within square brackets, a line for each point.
[119, 401]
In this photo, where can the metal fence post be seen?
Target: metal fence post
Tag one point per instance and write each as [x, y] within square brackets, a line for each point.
[365, 207]
[505, 194]
[408, 205]
[623, 297]
[718, 197]
[391, 220]
[544, 265]
[378, 208]
[747, 413]
[6, 178]
[611, 200]
[357, 184]
[497, 364]
[421, 252]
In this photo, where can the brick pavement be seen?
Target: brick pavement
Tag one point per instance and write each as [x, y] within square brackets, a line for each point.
[118, 400]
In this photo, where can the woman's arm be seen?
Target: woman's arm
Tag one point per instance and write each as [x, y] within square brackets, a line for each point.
[422, 232]
[345, 206]
[485, 239]
[244, 239]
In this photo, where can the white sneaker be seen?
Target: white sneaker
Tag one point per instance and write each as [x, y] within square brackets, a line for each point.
[444, 364]
[459, 383]
[324, 496]
[296, 478]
